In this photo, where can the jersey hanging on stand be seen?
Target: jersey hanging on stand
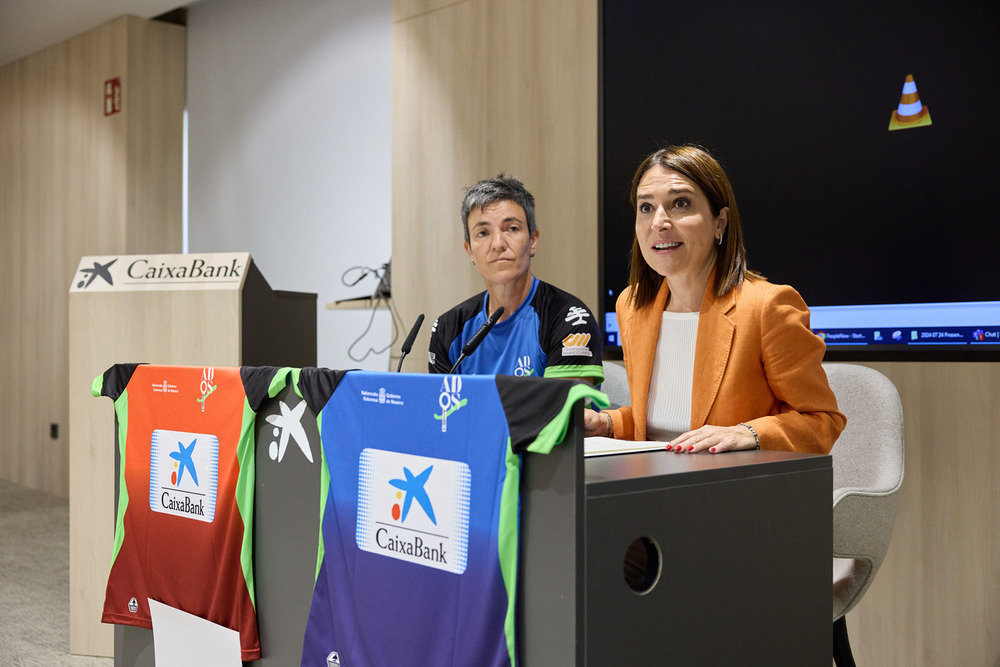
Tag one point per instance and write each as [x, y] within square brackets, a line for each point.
[419, 540]
[184, 525]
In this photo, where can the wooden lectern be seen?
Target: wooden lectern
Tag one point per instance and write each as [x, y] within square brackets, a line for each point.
[192, 310]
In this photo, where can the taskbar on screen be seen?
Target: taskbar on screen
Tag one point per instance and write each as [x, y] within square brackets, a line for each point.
[912, 336]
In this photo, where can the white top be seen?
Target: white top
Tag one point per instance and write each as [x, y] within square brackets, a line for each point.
[668, 410]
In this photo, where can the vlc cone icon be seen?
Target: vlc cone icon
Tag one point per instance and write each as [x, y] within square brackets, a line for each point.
[910, 112]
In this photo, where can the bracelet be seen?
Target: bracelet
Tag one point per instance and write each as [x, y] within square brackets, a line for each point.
[755, 438]
[611, 424]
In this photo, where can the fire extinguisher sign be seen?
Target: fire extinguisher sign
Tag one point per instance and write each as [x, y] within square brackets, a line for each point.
[112, 96]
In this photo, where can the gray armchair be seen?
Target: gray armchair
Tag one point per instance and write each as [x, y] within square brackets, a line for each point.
[867, 475]
[615, 384]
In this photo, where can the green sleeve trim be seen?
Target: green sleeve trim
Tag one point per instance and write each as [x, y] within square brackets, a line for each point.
[280, 381]
[587, 371]
[244, 493]
[554, 432]
[508, 543]
[121, 414]
[97, 386]
[324, 490]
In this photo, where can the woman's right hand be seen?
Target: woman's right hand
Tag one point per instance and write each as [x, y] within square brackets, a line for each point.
[594, 423]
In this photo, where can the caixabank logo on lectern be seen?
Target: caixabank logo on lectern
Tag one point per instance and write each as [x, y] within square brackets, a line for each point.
[184, 474]
[122, 273]
[414, 508]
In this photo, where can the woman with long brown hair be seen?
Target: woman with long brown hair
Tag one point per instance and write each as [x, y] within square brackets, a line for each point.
[718, 358]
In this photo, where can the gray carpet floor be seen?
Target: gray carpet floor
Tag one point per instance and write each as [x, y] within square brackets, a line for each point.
[34, 581]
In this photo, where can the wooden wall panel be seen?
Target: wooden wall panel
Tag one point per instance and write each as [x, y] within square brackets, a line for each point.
[936, 600]
[75, 182]
[61, 156]
[437, 148]
[480, 87]
[155, 146]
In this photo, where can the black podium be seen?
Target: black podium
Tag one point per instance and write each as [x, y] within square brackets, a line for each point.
[745, 543]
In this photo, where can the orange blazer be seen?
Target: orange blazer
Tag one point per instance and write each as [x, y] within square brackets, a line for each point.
[755, 361]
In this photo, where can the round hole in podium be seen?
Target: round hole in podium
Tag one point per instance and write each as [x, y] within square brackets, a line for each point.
[642, 565]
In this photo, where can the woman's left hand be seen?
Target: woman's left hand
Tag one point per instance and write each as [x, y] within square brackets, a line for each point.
[714, 440]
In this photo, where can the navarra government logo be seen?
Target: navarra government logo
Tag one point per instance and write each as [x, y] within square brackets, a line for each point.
[414, 508]
[184, 474]
[382, 397]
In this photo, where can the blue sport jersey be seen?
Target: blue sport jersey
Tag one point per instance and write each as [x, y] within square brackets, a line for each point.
[551, 334]
[419, 539]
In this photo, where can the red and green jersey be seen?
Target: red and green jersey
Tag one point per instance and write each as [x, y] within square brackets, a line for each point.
[184, 524]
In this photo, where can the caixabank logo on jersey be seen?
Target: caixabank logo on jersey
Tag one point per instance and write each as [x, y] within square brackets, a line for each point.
[414, 508]
[184, 474]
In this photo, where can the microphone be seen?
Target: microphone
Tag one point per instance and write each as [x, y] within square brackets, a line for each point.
[408, 343]
[477, 338]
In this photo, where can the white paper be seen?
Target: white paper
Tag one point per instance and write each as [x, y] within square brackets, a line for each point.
[181, 639]
[601, 446]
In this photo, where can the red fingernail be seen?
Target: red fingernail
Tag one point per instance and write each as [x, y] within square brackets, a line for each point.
[712, 450]
[691, 448]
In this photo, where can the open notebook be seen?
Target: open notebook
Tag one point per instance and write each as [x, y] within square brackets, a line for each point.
[601, 446]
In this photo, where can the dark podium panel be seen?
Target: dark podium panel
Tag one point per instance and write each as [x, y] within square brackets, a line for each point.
[745, 542]
[286, 534]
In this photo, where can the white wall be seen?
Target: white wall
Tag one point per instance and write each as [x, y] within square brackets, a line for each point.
[289, 115]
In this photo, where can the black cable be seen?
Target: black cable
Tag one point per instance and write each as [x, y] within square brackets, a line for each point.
[378, 301]
[365, 272]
